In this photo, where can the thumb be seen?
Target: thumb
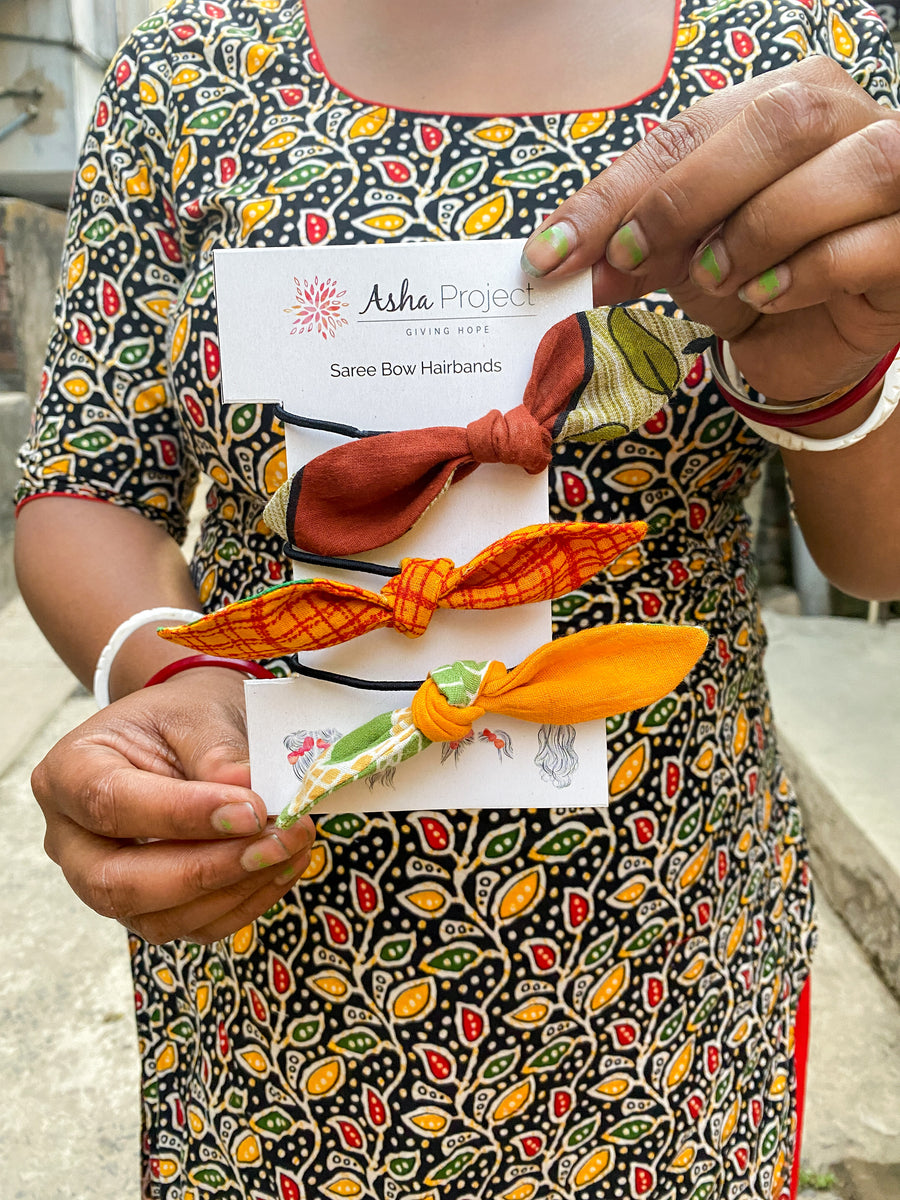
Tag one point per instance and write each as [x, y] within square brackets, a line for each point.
[221, 769]
[219, 755]
[208, 731]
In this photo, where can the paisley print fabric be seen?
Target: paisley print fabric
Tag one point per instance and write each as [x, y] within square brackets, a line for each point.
[516, 1005]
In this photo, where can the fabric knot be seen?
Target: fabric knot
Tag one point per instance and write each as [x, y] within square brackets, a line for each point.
[590, 675]
[514, 438]
[439, 720]
[416, 592]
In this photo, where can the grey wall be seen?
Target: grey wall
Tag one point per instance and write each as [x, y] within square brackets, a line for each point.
[53, 54]
[31, 240]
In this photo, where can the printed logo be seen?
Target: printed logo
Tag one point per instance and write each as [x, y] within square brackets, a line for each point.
[318, 307]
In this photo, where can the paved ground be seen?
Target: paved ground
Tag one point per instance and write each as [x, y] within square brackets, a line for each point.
[835, 687]
[68, 1064]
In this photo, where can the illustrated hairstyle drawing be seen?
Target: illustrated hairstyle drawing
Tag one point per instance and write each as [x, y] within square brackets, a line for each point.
[556, 758]
[305, 745]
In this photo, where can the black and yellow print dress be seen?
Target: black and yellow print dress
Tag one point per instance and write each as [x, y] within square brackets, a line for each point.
[501, 1005]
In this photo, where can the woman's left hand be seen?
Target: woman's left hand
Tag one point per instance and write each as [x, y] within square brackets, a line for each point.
[771, 212]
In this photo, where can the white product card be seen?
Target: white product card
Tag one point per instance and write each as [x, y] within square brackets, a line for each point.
[400, 337]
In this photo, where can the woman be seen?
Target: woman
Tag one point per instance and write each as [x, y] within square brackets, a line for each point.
[274, 1065]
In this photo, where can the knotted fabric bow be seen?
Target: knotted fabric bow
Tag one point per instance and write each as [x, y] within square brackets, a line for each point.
[593, 674]
[539, 562]
[596, 376]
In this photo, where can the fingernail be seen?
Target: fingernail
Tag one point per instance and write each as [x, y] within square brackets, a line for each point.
[711, 266]
[236, 818]
[286, 874]
[545, 250]
[266, 852]
[766, 287]
[627, 247]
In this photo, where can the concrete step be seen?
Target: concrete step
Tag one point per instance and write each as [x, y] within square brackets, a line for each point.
[69, 1074]
[835, 696]
[34, 684]
[835, 685]
[852, 1121]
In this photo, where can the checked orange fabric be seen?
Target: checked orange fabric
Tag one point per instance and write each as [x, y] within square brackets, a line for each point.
[539, 562]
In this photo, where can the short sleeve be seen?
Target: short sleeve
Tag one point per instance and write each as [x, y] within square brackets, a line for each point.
[105, 425]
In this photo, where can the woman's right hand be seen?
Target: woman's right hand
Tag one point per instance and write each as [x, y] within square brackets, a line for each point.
[150, 814]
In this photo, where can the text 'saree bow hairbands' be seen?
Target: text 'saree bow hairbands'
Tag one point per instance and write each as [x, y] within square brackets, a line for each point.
[596, 376]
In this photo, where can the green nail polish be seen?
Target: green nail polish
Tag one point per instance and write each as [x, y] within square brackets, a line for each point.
[629, 243]
[557, 239]
[766, 288]
[709, 263]
[544, 251]
[769, 283]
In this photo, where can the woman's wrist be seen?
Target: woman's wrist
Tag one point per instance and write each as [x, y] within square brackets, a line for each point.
[134, 652]
[244, 667]
[769, 412]
[143, 655]
[832, 422]
[204, 678]
[846, 421]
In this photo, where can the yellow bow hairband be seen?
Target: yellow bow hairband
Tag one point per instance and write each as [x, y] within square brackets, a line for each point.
[593, 674]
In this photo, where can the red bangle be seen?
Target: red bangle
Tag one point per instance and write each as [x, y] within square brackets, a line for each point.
[783, 418]
[208, 660]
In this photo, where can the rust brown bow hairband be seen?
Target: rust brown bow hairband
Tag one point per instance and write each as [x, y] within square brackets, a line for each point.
[596, 376]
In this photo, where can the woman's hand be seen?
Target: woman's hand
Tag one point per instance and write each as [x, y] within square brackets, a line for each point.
[771, 212]
[169, 764]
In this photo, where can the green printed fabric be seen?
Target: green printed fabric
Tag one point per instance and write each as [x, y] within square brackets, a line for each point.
[379, 745]
[382, 743]
[634, 363]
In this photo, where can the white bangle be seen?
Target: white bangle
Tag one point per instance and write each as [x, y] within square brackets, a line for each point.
[179, 616]
[887, 402]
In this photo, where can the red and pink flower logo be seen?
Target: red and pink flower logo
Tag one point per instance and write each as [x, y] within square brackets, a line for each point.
[318, 307]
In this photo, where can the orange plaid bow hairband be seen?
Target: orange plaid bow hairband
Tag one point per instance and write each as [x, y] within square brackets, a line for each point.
[539, 562]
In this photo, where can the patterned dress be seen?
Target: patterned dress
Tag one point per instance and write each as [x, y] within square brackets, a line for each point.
[449, 1005]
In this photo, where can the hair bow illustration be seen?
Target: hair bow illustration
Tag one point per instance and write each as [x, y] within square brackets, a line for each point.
[596, 376]
[539, 562]
[592, 674]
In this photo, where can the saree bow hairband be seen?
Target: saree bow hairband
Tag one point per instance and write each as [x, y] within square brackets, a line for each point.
[539, 562]
[596, 376]
[593, 674]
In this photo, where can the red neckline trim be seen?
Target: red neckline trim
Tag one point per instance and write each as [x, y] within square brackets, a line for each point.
[414, 112]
